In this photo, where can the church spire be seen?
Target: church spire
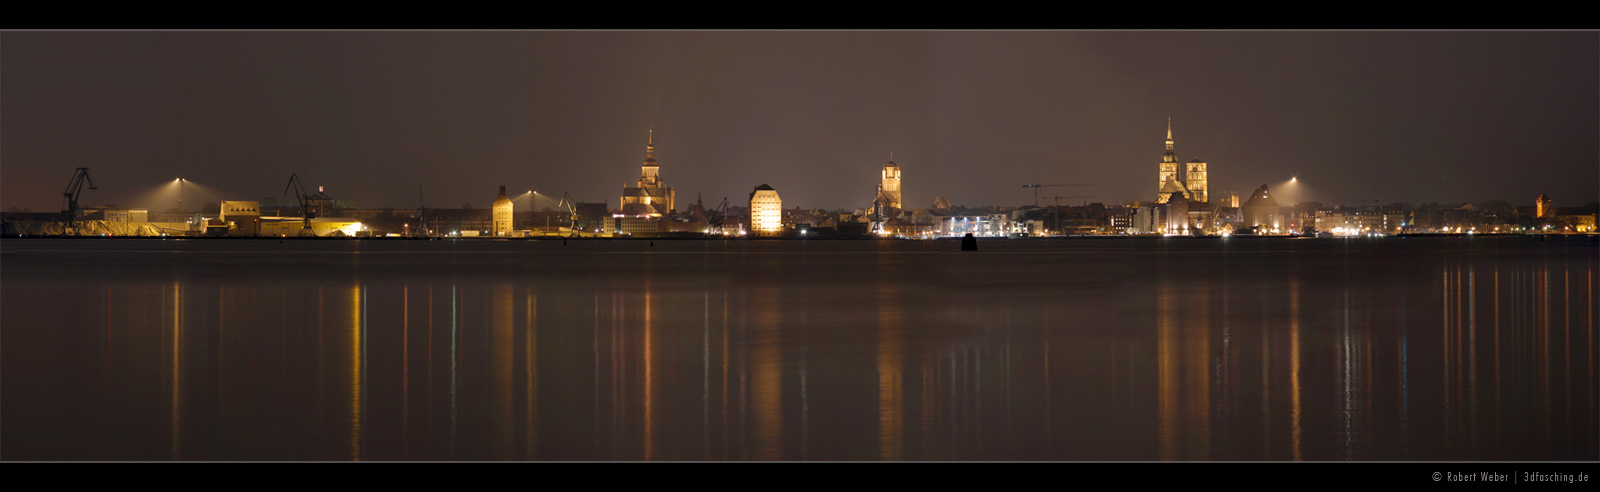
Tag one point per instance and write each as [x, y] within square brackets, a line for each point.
[1169, 133]
[650, 145]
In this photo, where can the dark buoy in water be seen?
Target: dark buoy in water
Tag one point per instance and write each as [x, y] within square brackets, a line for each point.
[652, 243]
[563, 241]
[969, 243]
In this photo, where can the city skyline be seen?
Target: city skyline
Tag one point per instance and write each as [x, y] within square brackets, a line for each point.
[971, 116]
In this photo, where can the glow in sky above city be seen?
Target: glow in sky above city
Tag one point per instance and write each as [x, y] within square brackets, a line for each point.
[1386, 116]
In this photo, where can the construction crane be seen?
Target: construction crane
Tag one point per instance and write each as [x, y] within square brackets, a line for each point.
[304, 202]
[1058, 198]
[69, 210]
[1036, 187]
[1056, 212]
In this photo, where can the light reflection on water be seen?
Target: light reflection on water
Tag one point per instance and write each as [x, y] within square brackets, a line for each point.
[1413, 349]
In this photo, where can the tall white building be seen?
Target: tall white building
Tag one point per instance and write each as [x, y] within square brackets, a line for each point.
[502, 210]
[766, 212]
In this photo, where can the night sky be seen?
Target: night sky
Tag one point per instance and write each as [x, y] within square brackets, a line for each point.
[1387, 116]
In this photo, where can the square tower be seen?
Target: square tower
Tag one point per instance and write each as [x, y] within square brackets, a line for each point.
[1195, 180]
[891, 183]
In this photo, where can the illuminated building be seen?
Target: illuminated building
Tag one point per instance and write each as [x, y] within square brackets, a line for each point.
[1541, 206]
[1189, 180]
[635, 225]
[651, 197]
[890, 193]
[766, 211]
[1576, 219]
[1352, 222]
[977, 224]
[242, 217]
[502, 214]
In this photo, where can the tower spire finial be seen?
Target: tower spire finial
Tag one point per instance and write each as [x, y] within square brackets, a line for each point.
[1169, 134]
[650, 144]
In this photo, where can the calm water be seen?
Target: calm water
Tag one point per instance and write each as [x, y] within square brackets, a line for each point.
[1117, 349]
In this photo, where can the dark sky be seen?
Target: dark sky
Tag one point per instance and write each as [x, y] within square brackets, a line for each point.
[1389, 116]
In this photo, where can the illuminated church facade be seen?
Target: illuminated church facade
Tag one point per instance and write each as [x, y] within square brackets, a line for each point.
[652, 197]
[889, 188]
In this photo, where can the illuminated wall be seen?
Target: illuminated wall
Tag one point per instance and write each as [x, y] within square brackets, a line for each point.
[291, 226]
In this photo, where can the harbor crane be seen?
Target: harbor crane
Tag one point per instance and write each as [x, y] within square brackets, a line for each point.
[722, 216]
[1036, 185]
[571, 207]
[304, 202]
[74, 190]
[69, 206]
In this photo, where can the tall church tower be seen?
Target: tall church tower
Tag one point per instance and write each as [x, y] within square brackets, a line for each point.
[1170, 181]
[650, 172]
[891, 183]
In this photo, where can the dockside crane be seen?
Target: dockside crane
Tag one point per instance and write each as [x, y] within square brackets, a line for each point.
[304, 202]
[572, 212]
[69, 210]
[1036, 185]
[722, 216]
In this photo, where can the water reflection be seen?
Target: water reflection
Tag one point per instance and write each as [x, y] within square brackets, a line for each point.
[829, 351]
